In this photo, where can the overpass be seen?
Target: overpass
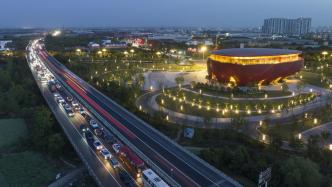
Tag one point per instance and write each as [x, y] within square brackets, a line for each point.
[173, 163]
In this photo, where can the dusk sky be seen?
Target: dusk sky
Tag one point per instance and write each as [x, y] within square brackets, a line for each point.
[114, 13]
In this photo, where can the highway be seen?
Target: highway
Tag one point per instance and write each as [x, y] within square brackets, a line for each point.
[98, 168]
[172, 162]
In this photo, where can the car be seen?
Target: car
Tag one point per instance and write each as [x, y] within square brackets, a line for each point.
[89, 136]
[56, 94]
[83, 127]
[60, 99]
[74, 103]
[114, 162]
[70, 112]
[116, 147]
[81, 110]
[98, 132]
[69, 99]
[106, 154]
[67, 107]
[97, 144]
[87, 118]
[109, 138]
[126, 179]
[94, 124]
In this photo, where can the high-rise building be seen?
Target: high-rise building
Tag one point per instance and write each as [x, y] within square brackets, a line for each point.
[299, 26]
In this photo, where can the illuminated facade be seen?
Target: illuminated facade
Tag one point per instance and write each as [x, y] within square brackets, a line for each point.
[245, 66]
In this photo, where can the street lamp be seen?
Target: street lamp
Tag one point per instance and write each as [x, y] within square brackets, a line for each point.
[132, 51]
[324, 53]
[203, 49]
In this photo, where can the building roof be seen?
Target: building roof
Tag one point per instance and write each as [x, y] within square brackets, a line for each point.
[252, 52]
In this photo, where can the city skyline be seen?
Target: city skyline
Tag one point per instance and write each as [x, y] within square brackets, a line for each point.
[147, 13]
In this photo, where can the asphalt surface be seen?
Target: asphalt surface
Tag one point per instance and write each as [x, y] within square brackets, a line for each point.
[185, 168]
[97, 167]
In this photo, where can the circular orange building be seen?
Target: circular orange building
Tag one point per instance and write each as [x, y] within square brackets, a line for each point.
[244, 66]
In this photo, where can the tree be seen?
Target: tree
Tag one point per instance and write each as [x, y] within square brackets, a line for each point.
[296, 143]
[55, 144]
[285, 87]
[325, 136]
[275, 141]
[42, 127]
[298, 171]
[179, 80]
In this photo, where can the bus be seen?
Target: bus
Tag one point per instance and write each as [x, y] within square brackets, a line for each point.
[131, 161]
[151, 179]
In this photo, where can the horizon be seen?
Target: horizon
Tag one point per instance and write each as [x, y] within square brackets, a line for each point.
[148, 13]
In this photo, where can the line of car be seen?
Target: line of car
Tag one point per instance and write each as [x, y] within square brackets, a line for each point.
[92, 131]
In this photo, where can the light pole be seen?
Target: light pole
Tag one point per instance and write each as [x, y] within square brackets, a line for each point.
[132, 51]
[324, 53]
[203, 49]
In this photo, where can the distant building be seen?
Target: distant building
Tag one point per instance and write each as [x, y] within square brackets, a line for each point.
[3, 44]
[93, 45]
[299, 26]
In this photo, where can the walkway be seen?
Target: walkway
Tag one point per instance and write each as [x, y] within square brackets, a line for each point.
[149, 104]
[317, 131]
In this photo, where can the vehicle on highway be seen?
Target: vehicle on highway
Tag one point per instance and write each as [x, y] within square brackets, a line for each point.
[109, 138]
[126, 179]
[114, 162]
[93, 124]
[60, 99]
[116, 147]
[67, 107]
[89, 136]
[83, 128]
[106, 154]
[69, 99]
[151, 179]
[131, 161]
[75, 105]
[81, 111]
[97, 145]
[56, 94]
[98, 132]
[70, 112]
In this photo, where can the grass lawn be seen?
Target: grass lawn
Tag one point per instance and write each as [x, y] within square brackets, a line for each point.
[12, 130]
[25, 169]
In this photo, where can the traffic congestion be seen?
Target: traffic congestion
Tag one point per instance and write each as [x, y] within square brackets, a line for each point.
[131, 169]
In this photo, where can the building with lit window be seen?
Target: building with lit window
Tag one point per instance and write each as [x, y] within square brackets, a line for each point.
[244, 66]
[299, 26]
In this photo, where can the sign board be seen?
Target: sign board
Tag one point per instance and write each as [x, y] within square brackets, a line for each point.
[264, 177]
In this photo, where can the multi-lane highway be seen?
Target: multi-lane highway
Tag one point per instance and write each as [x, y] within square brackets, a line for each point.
[172, 162]
[98, 168]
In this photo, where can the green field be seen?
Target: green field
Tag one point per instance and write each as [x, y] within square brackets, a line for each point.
[13, 129]
[25, 169]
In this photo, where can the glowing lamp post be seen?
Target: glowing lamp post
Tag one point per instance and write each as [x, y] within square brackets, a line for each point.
[324, 53]
[203, 50]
